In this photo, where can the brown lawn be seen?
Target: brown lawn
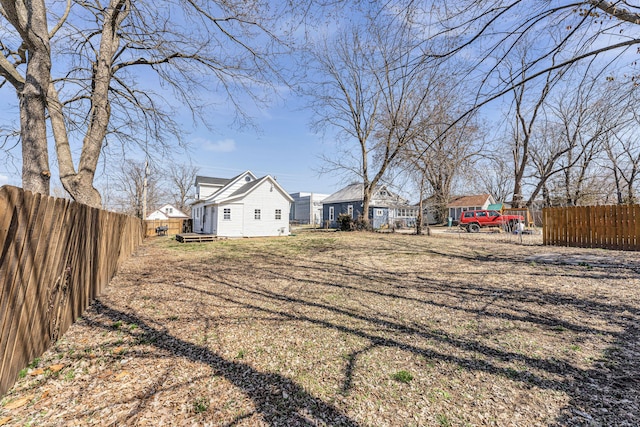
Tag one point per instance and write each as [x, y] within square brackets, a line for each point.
[353, 329]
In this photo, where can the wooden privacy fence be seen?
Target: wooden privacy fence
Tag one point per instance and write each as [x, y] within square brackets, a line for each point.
[175, 226]
[609, 227]
[56, 256]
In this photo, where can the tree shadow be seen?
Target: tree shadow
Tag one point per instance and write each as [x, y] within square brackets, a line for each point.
[604, 394]
[608, 393]
[279, 400]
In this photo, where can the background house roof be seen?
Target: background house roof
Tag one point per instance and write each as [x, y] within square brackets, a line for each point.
[469, 201]
[350, 193]
[168, 214]
[355, 193]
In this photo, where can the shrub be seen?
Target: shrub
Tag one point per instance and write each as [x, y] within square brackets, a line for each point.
[345, 222]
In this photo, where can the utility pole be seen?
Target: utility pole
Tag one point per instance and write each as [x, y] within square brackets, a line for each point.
[144, 188]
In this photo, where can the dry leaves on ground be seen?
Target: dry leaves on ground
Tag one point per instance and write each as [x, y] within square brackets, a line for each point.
[354, 329]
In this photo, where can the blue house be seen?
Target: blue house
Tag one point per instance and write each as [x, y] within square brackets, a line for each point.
[386, 209]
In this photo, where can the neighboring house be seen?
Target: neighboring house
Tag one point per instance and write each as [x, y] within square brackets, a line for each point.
[457, 205]
[307, 207]
[242, 206]
[167, 212]
[386, 209]
[460, 204]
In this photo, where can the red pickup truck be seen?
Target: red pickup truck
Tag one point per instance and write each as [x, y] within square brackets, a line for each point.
[472, 221]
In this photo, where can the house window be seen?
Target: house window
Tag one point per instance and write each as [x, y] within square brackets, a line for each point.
[278, 213]
[350, 210]
[379, 212]
[226, 213]
[331, 216]
[256, 214]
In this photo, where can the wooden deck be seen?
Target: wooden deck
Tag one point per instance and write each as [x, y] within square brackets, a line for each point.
[195, 237]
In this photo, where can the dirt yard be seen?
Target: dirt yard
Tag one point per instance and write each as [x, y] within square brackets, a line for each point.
[349, 329]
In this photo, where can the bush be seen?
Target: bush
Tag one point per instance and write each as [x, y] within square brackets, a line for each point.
[346, 223]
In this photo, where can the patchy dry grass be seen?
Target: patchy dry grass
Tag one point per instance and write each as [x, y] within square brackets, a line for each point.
[347, 329]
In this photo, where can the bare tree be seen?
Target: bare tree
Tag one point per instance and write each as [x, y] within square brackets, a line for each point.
[495, 176]
[442, 149]
[581, 116]
[373, 92]
[182, 178]
[528, 105]
[623, 154]
[129, 188]
[30, 22]
[103, 48]
[488, 33]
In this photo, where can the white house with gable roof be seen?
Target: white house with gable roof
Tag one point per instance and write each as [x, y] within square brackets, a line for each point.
[242, 206]
[167, 212]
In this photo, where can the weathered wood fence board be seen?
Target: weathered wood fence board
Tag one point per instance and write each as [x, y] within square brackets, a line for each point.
[176, 226]
[609, 227]
[56, 256]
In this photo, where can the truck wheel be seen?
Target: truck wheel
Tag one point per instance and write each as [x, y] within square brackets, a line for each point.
[473, 228]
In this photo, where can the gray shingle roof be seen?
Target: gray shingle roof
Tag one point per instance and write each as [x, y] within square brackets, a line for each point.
[212, 180]
[247, 187]
[355, 193]
[350, 193]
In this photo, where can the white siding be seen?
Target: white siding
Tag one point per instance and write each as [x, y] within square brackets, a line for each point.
[205, 190]
[234, 226]
[241, 181]
[156, 215]
[267, 198]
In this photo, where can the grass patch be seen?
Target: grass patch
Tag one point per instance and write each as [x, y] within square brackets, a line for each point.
[402, 376]
[443, 420]
[200, 405]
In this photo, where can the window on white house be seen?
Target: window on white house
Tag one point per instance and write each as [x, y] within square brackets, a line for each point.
[256, 214]
[350, 211]
[331, 215]
[226, 212]
[278, 213]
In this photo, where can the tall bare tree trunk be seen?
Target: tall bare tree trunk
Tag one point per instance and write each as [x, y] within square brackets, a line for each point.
[35, 154]
[30, 19]
[79, 184]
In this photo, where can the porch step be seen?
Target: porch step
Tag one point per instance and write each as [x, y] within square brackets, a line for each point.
[195, 237]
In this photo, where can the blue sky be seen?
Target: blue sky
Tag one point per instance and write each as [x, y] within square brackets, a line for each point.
[280, 144]
[283, 146]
